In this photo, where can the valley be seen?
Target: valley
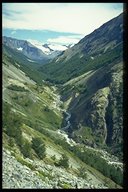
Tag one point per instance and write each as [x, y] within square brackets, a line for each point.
[47, 97]
[63, 119]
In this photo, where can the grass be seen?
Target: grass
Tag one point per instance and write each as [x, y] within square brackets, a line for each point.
[24, 162]
[29, 68]
[60, 73]
[34, 108]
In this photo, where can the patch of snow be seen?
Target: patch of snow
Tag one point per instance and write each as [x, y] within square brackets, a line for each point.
[56, 47]
[57, 59]
[31, 60]
[17, 64]
[72, 45]
[47, 50]
[106, 48]
[40, 46]
[81, 56]
[20, 49]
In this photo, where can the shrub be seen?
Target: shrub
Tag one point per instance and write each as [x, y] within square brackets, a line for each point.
[82, 172]
[17, 88]
[39, 147]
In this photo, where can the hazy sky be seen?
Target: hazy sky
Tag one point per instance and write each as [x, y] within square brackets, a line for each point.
[56, 22]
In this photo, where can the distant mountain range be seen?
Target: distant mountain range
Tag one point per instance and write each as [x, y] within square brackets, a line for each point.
[35, 51]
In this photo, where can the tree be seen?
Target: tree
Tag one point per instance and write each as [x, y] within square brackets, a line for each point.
[39, 147]
[64, 161]
[26, 149]
[11, 142]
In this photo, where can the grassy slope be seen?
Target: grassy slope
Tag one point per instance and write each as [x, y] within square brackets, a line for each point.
[61, 72]
[18, 59]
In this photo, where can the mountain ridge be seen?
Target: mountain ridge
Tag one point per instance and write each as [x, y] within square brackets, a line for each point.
[84, 56]
[34, 50]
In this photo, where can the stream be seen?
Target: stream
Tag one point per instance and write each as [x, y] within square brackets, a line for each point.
[67, 120]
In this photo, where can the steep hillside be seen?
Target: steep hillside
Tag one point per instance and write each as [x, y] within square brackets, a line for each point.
[22, 62]
[41, 155]
[94, 91]
[100, 48]
[95, 102]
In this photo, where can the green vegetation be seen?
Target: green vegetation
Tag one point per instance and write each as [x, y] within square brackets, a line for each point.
[30, 69]
[13, 128]
[85, 134]
[89, 157]
[80, 88]
[17, 88]
[65, 186]
[82, 172]
[39, 147]
[62, 72]
[93, 159]
[63, 161]
[12, 124]
[25, 162]
[26, 149]
[36, 111]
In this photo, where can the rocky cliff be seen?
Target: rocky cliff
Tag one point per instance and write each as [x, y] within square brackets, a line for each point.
[96, 104]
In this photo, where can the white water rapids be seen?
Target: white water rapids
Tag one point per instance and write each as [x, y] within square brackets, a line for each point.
[67, 120]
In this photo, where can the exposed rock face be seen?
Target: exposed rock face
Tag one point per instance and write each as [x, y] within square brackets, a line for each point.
[114, 114]
[101, 108]
[97, 121]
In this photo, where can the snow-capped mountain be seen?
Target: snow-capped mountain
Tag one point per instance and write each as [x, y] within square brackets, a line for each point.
[35, 50]
[52, 50]
[26, 48]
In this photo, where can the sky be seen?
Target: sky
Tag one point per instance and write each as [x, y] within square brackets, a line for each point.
[56, 23]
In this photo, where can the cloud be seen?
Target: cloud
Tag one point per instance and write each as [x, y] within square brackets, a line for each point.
[13, 32]
[80, 18]
[65, 39]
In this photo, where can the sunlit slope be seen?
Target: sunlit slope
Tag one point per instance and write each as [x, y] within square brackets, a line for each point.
[102, 47]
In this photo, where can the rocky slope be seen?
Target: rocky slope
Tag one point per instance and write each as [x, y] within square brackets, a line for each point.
[41, 176]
